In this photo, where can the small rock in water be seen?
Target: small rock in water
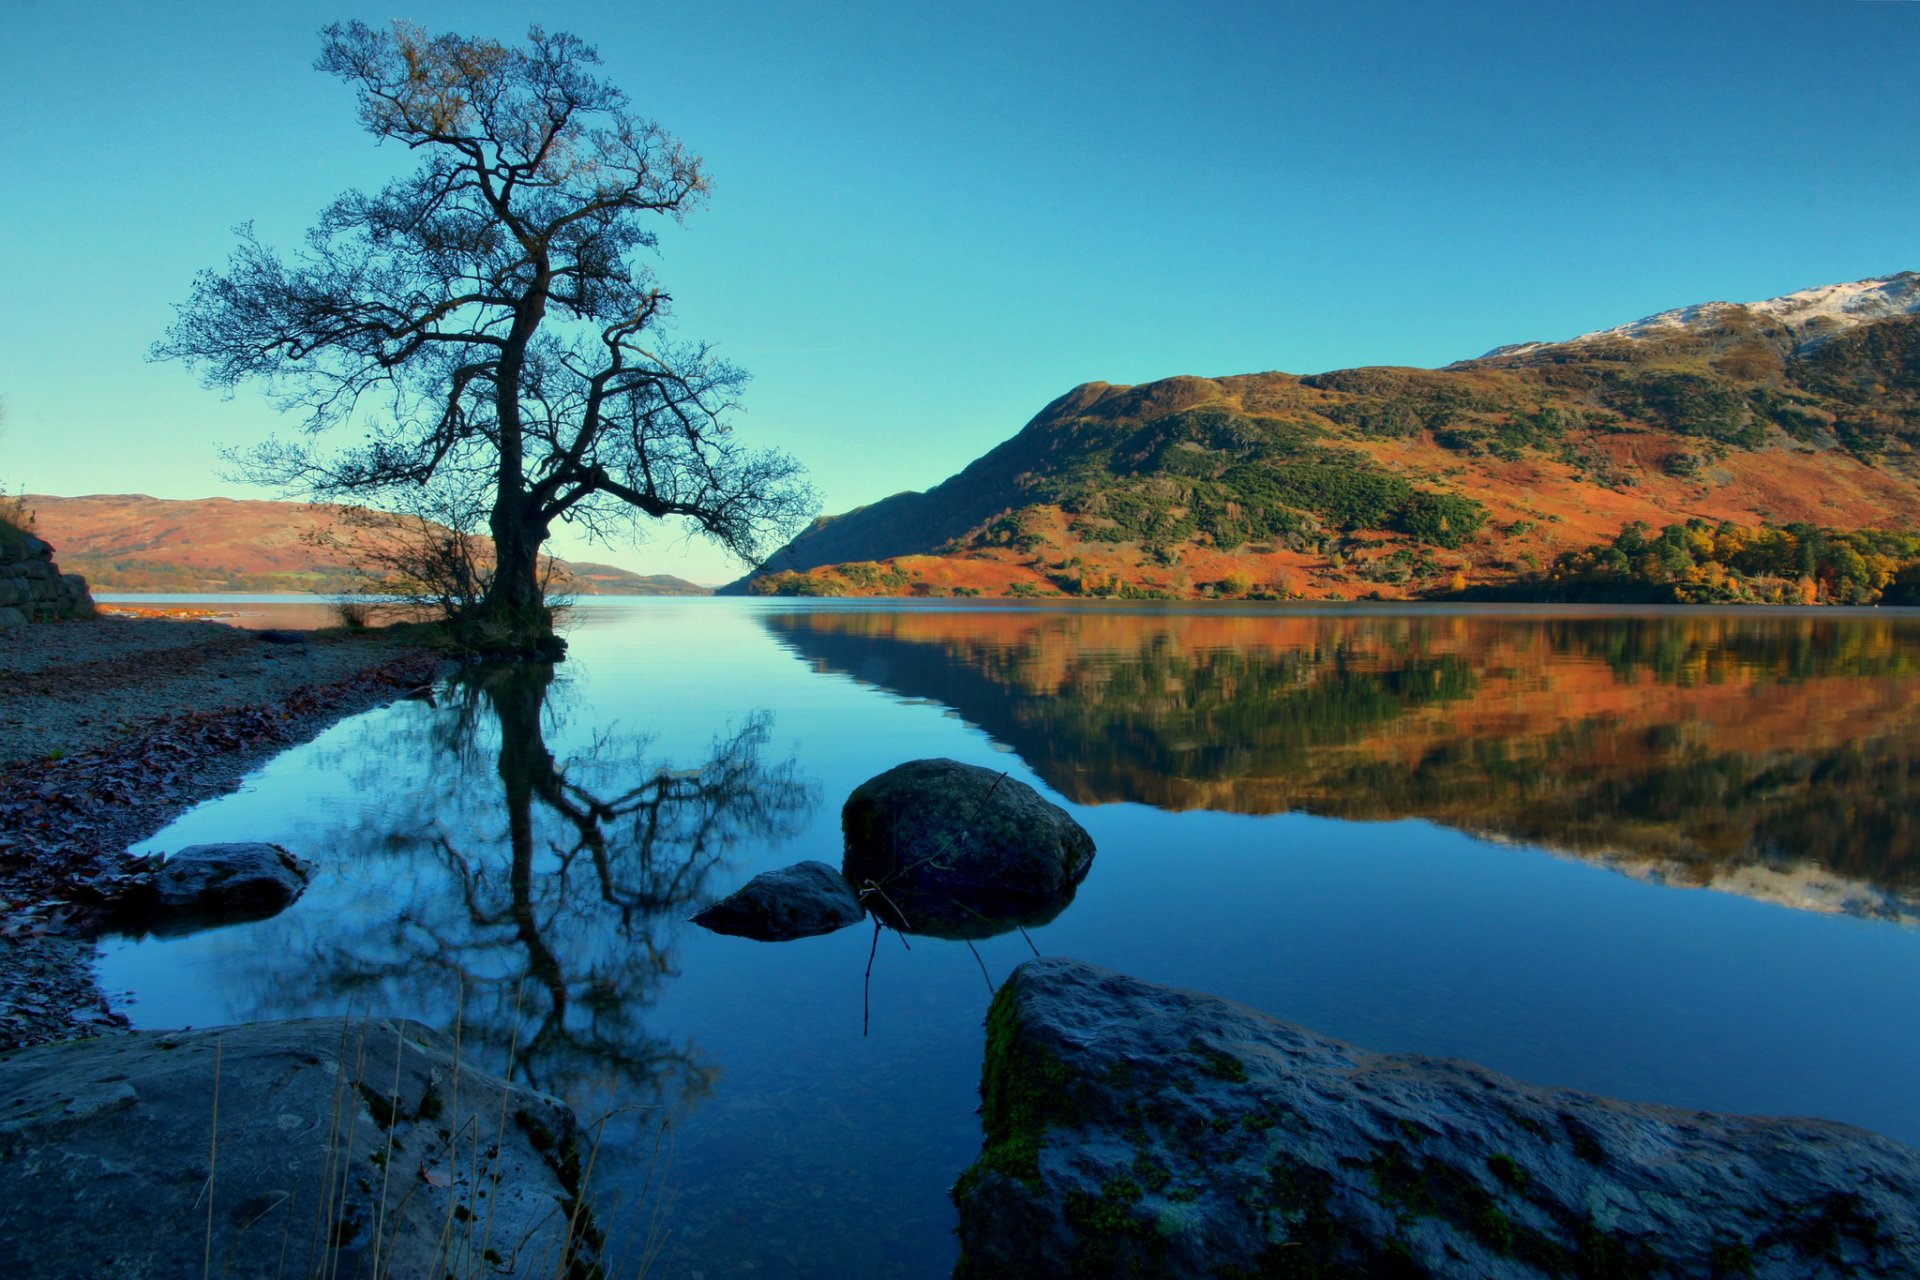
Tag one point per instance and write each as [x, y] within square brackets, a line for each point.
[239, 876]
[801, 901]
[209, 884]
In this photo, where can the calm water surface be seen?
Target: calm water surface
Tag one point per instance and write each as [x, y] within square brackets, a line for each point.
[1669, 857]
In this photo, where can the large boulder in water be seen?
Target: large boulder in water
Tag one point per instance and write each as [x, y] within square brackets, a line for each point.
[345, 1147]
[1137, 1130]
[940, 847]
[800, 901]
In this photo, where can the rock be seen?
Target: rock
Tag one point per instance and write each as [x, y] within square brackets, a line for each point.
[801, 901]
[953, 849]
[348, 1147]
[206, 884]
[17, 546]
[32, 588]
[73, 587]
[1136, 1130]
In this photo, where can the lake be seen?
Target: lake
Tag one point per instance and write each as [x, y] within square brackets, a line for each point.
[1670, 856]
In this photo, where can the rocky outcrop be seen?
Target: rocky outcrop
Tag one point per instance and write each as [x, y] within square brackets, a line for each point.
[338, 1147]
[1136, 1130]
[32, 588]
[801, 901]
[936, 846]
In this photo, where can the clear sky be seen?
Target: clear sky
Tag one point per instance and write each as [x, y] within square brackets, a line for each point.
[930, 219]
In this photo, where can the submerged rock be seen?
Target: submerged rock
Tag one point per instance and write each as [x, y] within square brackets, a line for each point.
[1134, 1129]
[801, 901]
[964, 915]
[940, 847]
[345, 1147]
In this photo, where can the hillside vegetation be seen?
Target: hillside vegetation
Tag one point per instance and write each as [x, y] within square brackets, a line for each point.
[1516, 473]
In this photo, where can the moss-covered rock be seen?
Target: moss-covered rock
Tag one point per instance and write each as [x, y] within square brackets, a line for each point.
[1136, 1130]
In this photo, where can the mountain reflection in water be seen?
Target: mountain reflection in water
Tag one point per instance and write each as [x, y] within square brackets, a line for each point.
[548, 929]
[1765, 754]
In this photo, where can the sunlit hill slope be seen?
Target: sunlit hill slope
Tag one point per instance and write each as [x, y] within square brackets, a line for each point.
[1780, 429]
[130, 542]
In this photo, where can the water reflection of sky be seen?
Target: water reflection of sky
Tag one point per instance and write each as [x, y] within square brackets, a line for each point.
[806, 1149]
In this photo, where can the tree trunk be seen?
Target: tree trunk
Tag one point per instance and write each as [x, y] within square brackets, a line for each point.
[526, 771]
[515, 613]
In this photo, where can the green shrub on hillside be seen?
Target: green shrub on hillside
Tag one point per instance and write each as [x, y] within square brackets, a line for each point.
[1510, 435]
[1443, 519]
[1865, 365]
[1013, 529]
[1792, 415]
[1692, 404]
[1393, 420]
[1865, 434]
[1353, 496]
[1214, 476]
[871, 575]
[1395, 403]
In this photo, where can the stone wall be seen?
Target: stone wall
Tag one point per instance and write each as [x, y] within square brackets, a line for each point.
[32, 588]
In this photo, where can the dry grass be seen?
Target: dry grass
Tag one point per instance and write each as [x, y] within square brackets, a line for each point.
[470, 1165]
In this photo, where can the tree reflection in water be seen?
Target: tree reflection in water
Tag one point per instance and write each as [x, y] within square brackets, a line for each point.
[551, 938]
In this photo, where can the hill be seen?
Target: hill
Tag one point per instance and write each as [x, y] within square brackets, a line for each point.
[130, 542]
[1784, 428]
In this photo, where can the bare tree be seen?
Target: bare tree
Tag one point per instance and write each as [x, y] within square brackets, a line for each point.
[489, 314]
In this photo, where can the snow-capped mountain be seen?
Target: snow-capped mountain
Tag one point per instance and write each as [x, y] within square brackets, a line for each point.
[1808, 316]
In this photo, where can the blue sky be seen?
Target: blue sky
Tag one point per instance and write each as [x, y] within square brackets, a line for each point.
[929, 220]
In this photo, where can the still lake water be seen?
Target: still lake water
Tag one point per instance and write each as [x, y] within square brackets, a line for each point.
[1666, 856]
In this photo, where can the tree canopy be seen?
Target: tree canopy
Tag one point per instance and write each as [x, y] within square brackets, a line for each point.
[489, 320]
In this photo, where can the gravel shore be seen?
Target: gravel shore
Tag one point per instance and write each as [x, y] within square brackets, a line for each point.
[109, 728]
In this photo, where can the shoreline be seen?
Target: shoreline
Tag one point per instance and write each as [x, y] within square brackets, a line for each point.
[110, 729]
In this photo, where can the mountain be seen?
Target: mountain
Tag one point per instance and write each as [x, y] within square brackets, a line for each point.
[1518, 471]
[1807, 316]
[130, 542]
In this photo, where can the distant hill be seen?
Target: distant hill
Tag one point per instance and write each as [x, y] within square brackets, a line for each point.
[590, 579]
[133, 543]
[1527, 471]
